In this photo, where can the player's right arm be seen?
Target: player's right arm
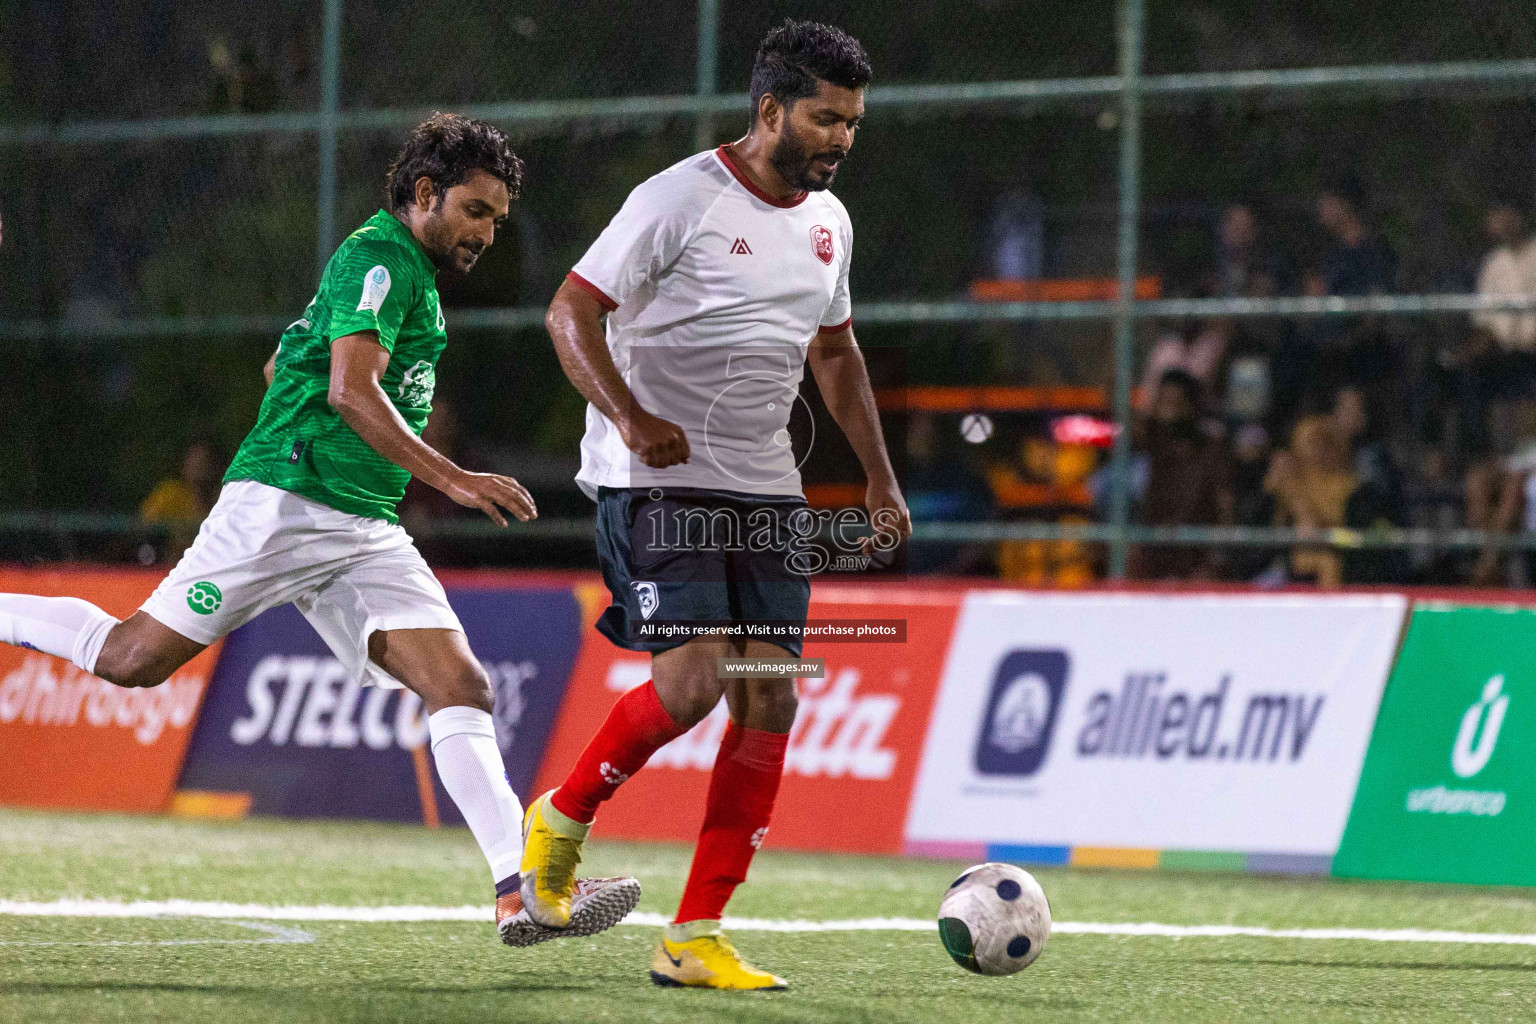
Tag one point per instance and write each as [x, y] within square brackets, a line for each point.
[575, 323]
[641, 243]
[358, 362]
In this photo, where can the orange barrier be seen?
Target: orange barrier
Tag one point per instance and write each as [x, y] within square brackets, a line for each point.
[84, 743]
[1066, 289]
[853, 755]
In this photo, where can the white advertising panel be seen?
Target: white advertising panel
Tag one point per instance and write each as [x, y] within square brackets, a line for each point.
[1155, 721]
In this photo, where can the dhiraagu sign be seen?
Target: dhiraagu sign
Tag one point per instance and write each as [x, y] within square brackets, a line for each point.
[1448, 792]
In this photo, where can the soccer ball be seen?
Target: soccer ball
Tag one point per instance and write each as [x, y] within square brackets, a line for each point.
[995, 919]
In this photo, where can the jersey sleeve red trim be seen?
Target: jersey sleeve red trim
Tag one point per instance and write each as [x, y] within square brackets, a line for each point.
[592, 290]
[835, 328]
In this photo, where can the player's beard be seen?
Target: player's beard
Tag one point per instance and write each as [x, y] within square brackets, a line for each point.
[442, 247]
[792, 158]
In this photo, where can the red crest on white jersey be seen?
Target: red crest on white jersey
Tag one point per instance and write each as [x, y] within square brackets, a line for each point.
[821, 242]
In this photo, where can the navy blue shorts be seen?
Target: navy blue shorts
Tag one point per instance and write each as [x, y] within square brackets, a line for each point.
[689, 554]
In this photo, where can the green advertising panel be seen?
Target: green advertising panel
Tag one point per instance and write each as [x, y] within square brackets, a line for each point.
[1448, 792]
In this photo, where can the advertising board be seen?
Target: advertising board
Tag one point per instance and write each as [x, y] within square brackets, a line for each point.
[72, 740]
[1148, 722]
[284, 724]
[853, 753]
[1447, 793]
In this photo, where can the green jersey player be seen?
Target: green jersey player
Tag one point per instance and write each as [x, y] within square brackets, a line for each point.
[307, 512]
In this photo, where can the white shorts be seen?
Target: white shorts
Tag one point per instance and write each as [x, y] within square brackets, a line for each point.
[350, 576]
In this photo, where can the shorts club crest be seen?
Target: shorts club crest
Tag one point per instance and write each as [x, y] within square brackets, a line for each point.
[646, 592]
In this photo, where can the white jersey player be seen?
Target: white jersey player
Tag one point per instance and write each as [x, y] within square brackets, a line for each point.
[721, 278]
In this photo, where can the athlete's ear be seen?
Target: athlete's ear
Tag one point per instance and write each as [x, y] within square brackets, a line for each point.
[424, 193]
[769, 112]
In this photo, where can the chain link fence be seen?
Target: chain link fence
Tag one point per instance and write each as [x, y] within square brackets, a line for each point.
[173, 174]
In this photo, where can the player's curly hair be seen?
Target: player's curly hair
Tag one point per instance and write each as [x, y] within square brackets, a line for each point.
[448, 148]
[798, 54]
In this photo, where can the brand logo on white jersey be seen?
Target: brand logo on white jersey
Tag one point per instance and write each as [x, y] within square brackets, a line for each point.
[375, 289]
[646, 592]
[838, 733]
[741, 248]
[821, 244]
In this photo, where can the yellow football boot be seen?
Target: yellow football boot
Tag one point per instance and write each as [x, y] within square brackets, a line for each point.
[709, 961]
[551, 852]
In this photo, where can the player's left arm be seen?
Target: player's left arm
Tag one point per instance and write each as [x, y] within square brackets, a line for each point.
[843, 378]
[270, 370]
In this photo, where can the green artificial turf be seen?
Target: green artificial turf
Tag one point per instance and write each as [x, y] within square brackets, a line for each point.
[223, 972]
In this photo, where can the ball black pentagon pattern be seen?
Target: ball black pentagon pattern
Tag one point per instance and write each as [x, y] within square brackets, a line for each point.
[1009, 890]
[1018, 946]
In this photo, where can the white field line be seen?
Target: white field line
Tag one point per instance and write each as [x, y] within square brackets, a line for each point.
[372, 915]
[279, 936]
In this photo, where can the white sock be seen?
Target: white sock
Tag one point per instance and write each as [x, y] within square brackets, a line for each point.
[65, 627]
[469, 762]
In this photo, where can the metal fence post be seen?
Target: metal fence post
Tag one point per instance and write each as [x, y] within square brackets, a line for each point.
[707, 76]
[330, 88]
[1131, 12]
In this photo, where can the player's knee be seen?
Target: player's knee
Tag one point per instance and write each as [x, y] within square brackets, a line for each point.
[472, 688]
[133, 667]
[691, 697]
[773, 704]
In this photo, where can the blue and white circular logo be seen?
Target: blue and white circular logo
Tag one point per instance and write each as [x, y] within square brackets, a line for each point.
[1022, 713]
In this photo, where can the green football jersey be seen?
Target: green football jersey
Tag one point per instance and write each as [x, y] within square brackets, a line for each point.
[379, 280]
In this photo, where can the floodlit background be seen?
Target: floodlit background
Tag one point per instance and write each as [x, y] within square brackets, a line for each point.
[1167, 305]
[174, 177]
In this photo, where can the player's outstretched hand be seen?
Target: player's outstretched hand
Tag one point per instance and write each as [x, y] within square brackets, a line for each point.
[490, 493]
[658, 442]
[888, 516]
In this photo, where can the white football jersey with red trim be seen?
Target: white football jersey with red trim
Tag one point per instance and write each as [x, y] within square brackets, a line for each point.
[713, 290]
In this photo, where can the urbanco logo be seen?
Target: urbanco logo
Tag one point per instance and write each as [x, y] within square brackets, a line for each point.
[1479, 733]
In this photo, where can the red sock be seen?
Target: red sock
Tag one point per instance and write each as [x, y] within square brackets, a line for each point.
[741, 793]
[635, 729]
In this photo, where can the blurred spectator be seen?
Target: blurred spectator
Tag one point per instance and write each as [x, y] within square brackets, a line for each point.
[942, 486]
[1016, 237]
[185, 500]
[1252, 505]
[1188, 483]
[1196, 348]
[1498, 366]
[1509, 270]
[1500, 500]
[1373, 466]
[240, 84]
[1358, 262]
[1312, 482]
[1433, 499]
[1245, 266]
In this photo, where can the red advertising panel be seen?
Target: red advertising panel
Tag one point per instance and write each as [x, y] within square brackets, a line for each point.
[72, 740]
[853, 755]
